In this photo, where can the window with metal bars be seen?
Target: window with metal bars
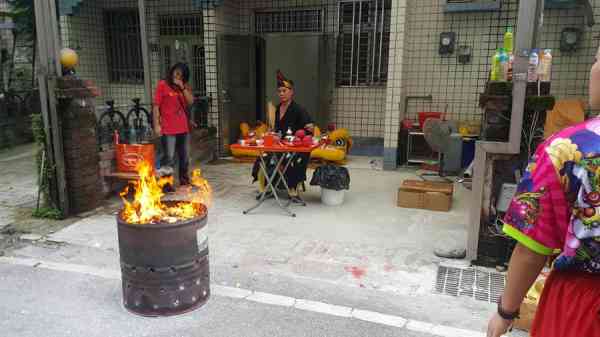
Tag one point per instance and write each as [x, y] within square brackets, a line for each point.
[289, 21]
[199, 69]
[180, 25]
[363, 42]
[123, 46]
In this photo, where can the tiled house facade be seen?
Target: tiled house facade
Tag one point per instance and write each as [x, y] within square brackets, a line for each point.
[370, 110]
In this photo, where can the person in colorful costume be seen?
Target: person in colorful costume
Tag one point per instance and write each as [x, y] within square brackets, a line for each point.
[288, 115]
[555, 215]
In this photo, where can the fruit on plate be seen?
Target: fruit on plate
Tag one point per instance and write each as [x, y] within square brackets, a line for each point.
[300, 134]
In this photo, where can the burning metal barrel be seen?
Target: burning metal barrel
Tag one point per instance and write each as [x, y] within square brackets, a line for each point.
[164, 265]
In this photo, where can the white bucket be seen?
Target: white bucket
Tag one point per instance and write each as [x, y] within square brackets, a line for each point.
[332, 197]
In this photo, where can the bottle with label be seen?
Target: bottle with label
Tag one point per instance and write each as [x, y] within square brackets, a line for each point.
[511, 62]
[532, 70]
[545, 67]
[132, 135]
[504, 64]
[496, 67]
[289, 135]
[508, 40]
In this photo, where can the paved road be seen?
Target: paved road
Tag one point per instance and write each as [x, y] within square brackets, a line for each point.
[40, 302]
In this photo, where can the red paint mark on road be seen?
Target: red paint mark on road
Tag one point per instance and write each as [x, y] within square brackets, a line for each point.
[357, 272]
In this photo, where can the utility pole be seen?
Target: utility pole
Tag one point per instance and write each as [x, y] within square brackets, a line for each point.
[48, 50]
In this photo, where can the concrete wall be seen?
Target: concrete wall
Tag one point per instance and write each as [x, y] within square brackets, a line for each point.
[415, 67]
[416, 25]
[360, 109]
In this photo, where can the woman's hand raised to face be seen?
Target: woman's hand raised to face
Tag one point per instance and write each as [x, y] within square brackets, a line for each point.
[178, 82]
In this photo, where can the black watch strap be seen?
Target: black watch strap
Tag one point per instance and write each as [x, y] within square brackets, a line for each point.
[509, 316]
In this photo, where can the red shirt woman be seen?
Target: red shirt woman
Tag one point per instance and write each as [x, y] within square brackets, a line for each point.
[172, 105]
[171, 119]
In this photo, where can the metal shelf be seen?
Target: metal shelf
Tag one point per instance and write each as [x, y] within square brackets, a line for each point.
[417, 159]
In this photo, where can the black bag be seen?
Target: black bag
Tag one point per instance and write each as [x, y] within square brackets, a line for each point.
[331, 177]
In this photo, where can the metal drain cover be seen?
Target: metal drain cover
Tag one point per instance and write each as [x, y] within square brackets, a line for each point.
[478, 284]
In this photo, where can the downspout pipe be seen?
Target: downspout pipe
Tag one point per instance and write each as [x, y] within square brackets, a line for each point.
[528, 23]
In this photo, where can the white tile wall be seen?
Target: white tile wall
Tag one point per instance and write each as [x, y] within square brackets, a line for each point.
[415, 68]
[361, 110]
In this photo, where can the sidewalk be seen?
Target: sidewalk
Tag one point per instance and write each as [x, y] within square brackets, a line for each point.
[366, 254]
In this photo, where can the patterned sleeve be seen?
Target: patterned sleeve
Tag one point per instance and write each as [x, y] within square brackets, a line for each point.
[535, 216]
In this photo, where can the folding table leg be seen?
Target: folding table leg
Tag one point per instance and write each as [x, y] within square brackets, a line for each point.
[270, 185]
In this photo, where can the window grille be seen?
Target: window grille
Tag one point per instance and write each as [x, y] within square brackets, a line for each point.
[180, 25]
[166, 60]
[363, 42]
[289, 21]
[190, 28]
[199, 66]
[124, 46]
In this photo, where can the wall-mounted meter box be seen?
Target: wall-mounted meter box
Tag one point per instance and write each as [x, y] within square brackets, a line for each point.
[462, 6]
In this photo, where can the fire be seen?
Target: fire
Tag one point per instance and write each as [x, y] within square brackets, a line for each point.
[147, 206]
[202, 193]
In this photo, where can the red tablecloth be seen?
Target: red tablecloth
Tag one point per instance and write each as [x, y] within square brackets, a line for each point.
[277, 148]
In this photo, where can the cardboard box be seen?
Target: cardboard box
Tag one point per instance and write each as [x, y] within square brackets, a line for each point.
[526, 315]
[434, 196]
[530, 303]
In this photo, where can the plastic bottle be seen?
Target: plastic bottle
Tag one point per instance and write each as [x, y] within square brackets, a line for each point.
[545, 67]
[132, 135]
[289, 134]
[532, 70]
[508, 40]
[511, 61]
[504, 63]
[496, 66]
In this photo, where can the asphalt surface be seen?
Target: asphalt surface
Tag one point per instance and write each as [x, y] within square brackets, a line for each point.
[37, 302]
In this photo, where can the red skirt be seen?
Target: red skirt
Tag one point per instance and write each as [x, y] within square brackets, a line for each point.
[569, 306]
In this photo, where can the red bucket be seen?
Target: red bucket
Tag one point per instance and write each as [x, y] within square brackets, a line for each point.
[129, 155]
[423, 116]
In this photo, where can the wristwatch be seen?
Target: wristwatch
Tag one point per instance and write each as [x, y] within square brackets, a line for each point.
[509, 316]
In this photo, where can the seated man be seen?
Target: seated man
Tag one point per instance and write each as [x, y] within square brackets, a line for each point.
[289, 115]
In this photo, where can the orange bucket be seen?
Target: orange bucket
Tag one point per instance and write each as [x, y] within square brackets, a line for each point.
[129, 155]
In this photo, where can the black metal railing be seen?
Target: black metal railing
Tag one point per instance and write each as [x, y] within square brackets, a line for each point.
[136, 126]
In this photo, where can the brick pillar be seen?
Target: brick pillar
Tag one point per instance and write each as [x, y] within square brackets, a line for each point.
[80, 144]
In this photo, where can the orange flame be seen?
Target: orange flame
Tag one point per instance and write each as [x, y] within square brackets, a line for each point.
[147, 206]
[202, 194]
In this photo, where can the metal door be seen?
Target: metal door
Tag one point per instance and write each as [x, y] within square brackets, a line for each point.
[186, 49]
[303, 59]
[237, 85]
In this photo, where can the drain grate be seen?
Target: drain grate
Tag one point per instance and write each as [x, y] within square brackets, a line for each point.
[478, 284]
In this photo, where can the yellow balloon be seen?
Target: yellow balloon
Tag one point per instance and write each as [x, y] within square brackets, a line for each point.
[68, 58]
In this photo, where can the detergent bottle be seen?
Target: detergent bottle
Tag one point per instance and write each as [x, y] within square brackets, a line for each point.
[545, 67]
[504, 64]
[508, 40]
[532, 70]
[496, 66]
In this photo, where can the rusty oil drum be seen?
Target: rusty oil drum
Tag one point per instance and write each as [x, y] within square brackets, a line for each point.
[164, 267]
